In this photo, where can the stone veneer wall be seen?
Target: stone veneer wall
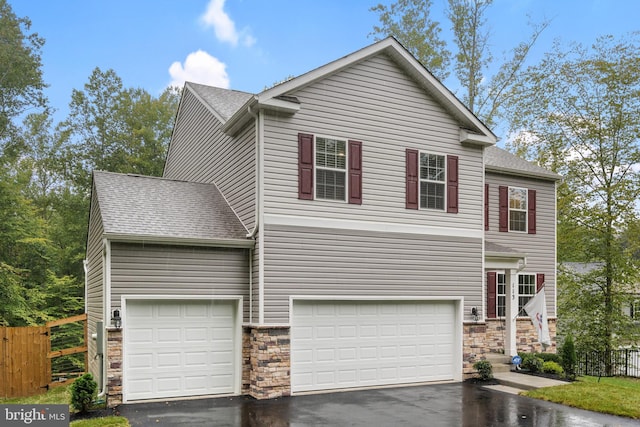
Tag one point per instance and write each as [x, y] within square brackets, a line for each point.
[482, 338]
[114, 367]
[270, 375]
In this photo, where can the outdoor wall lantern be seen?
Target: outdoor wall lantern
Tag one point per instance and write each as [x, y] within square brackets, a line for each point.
[474, 313]
[116, 320]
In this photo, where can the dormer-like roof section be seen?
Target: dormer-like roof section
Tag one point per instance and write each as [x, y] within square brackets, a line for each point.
[501, 161]
[149, 209]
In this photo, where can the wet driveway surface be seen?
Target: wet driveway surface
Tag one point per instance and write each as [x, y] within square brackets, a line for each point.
[457, 404]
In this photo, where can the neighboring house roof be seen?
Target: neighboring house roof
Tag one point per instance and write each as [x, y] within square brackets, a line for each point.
[582, 267]
[236, 113]
[501, 161]
[137, 207]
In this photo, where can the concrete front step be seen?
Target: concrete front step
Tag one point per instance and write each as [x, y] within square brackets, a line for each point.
[499, 362]
[525, 382]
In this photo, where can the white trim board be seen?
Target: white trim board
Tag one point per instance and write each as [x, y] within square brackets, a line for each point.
[380, 227]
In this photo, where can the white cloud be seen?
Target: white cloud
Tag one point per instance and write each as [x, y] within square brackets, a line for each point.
[200, 67]
[223, 26]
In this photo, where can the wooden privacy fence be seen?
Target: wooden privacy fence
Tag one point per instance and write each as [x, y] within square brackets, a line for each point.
[28, 365]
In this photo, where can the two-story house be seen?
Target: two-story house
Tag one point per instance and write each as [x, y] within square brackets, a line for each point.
[351, 227]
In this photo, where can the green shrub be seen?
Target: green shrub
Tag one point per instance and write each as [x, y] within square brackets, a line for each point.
[484, 368]
[83, 391]
[551, 367]
[550, 357]
[531, 362]
[569, 358]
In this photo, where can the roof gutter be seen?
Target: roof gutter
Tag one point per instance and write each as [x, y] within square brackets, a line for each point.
[179, 241]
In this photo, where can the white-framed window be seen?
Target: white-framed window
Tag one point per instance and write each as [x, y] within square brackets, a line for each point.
[501, 295]
[432, 181]
[526, 289]
[518, 209]
[330, 168]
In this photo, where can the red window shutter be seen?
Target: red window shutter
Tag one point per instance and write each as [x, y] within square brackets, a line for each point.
[539, 282]
[452, 184]
[305, 166]
[355, 172]
[503, 195]
[486, 207]
[531, 205]
[412, 179]
[492, 294]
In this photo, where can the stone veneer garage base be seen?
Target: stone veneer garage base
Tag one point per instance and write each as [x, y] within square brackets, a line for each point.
[266, 371]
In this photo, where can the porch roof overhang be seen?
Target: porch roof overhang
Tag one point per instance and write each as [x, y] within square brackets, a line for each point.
[498, 257]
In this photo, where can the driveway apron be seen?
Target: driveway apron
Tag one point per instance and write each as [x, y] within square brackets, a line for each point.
[454, 404]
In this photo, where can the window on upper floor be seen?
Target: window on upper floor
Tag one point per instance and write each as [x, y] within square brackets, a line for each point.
[432, 181]
[517, 209]
[329, 168]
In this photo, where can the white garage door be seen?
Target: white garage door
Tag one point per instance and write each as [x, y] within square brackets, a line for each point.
[179, 348]
[354, 344]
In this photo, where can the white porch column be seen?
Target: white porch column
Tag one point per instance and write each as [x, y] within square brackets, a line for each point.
[511, 312]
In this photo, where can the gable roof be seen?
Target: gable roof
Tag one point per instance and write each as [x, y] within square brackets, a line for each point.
[501, 161]
[142, 208]
[277, 98]
[223, 102]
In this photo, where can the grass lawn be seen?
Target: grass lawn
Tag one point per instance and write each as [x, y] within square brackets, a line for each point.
[61, 395]
[616, 396]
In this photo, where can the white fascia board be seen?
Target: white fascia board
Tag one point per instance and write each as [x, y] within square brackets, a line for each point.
[180, 241]
[387, 227]
[467, 137]
[280, 105]
[523, 173]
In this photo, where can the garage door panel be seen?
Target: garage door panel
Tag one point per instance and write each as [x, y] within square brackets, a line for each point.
[370, 343]
[179, 348]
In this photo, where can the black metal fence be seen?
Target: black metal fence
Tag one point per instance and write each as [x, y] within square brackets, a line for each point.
[612, 363]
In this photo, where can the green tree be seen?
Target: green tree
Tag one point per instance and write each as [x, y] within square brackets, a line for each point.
[578, 113]
[410, 23]
[115, 129]
[21, 83]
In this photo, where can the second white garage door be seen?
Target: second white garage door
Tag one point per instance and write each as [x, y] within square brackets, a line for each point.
[180, 348]
[357, 343]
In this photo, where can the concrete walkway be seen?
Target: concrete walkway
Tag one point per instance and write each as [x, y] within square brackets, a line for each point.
[514, 383]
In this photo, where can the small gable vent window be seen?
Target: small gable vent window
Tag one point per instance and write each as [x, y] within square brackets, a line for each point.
[329, 169]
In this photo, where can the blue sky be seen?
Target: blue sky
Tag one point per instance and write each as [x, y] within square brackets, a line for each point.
[250, 44]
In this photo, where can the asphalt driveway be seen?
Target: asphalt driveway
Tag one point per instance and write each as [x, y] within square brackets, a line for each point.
[456, 404]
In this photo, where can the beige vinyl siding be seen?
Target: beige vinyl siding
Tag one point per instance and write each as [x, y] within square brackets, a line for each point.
[95, 280]
[540, 247]
[340, 263]
[200, 152]
[377, 103]
[157, 270]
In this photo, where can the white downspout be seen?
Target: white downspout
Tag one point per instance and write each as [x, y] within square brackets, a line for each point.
[257, 229]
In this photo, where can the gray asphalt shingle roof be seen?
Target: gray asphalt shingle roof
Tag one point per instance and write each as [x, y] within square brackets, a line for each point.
[156, 207]
[498, 160]
[224, 101]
